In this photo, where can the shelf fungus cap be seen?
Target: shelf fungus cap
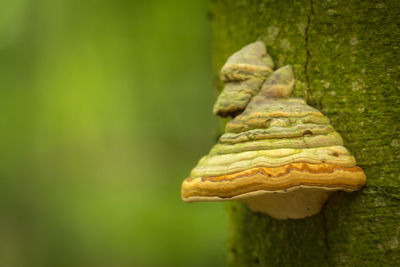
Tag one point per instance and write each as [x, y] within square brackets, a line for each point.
[291, 191]
[243, 74]
[280, 156]
[252, 60]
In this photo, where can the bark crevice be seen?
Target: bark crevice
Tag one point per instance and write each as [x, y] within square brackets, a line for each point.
[308, 53]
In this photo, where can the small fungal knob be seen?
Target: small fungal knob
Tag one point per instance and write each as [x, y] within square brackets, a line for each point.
[243, 73]
[252, 60]
[279, 84]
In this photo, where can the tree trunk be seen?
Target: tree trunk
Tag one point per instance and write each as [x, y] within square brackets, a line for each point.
[346, 59]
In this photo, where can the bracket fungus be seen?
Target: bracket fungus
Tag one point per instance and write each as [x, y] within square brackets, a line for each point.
[279, 155]
[243, 73]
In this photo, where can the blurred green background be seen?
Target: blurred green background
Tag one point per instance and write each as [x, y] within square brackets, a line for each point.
[105, 106]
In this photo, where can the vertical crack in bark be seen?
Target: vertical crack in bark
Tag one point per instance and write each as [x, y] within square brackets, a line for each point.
[308, 54]
[325, 235]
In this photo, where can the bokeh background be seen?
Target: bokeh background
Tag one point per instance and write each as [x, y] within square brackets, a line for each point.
[105, 106]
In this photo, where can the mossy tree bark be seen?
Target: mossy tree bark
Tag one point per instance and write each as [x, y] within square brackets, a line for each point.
[346, 58]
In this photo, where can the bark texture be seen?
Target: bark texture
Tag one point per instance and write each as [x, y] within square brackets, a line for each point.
[346, 59]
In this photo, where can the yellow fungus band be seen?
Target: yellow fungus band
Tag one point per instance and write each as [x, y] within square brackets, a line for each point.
[274, 179]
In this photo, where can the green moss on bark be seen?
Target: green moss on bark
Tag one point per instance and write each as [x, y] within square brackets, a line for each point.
[346, 58]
